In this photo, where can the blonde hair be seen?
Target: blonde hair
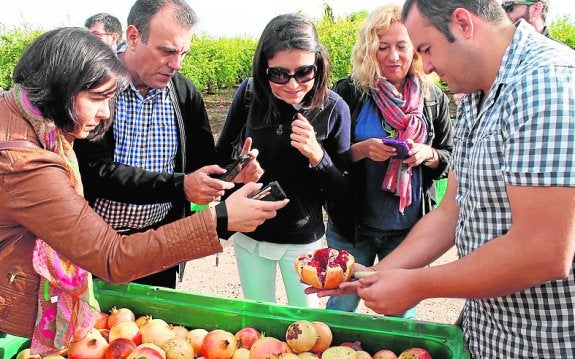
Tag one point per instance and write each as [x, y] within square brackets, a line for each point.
[366, 71]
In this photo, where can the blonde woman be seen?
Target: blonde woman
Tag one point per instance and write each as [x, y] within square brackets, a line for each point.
[388, 97]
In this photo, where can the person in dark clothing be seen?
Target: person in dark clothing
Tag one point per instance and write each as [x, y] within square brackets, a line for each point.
[159, 154]
[301, 130]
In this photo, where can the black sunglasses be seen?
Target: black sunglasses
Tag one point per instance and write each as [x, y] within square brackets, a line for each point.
[508, 6]
[279, 75]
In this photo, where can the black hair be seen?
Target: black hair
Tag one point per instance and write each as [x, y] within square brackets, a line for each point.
[142, 12]
[110, 22]
[291, 32]
[438, 12]
[58, 65]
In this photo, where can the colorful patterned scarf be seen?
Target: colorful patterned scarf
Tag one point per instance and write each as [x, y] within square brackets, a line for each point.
[404, 113]
[67, 309]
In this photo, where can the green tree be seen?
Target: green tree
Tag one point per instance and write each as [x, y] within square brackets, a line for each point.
[12, 45]
[563, 29]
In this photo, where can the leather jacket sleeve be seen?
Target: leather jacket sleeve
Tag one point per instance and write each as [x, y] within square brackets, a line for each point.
[37, 194]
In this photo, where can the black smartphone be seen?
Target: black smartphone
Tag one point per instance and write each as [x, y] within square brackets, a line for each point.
[235, 168]
[271, 192]
[402, 150]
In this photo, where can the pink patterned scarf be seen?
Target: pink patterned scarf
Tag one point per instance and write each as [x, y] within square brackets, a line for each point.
[404, 113]
[67, 309]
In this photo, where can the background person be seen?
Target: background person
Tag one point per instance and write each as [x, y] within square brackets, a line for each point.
[534, 12]
[510, 196]
[388, 95]
[106, 27]
[64, 85]
[159, 153]
[301, 130]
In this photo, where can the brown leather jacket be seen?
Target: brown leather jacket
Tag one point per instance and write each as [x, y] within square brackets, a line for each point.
[36, 193]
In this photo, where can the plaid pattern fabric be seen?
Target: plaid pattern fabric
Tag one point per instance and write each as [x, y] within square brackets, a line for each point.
[523, 135]
[146, 136]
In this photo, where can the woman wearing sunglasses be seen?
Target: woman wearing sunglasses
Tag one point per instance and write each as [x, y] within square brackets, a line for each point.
[388, 97]
[301, 130]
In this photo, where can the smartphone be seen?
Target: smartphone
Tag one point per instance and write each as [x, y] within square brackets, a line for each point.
[271, 192]
[401, 148]
[235, 168]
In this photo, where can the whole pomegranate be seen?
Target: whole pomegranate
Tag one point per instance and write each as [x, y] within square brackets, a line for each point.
[301, 336]
[218, 344]
[145, 352]
[102, 321]
[241, 353]
[384, 354]
[126, 329]
[91, 347]
[268, 348]
[415, 353]
[338, 352]
[178, 348]
[196, 337]
[119, 315]
[246, 337]
[157, 331]
[324, 337]
[325, 268]
[119, 348]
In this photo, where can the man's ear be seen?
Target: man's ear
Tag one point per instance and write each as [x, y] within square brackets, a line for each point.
[132, 35]
[462, 23]
[535, 10]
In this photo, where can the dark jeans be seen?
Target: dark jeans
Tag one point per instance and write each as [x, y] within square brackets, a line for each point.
[366, 249]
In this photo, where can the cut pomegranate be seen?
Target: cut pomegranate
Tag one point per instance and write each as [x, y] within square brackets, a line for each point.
[325, 268]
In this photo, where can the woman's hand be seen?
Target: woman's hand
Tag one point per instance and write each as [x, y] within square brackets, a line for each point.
[253, 171]
[246, 214]
[303, 139]
[372, 148]
[420, 153]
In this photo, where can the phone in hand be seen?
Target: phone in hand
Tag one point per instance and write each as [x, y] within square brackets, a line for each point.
[271, 192]
[235, 168]
[401, 148]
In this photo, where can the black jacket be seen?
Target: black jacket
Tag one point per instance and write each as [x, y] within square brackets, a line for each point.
[301, 221]
[439, 136]
[104, 178]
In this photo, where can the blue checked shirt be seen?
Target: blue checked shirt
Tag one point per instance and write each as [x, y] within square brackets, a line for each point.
[146, 135]
[523, 135]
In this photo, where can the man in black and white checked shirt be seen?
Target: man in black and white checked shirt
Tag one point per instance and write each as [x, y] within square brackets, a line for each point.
[510, 201]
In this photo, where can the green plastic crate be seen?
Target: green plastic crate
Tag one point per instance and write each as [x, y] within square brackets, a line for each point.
[440, 187]
[11, 345]
[193, 310]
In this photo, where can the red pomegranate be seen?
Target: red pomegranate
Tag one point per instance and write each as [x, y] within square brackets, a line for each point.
[120, 315]
[415, 353]
[91, 347]
[246, 337]
[268, 348]
[119, 348]
[325, 268]
[218, 344]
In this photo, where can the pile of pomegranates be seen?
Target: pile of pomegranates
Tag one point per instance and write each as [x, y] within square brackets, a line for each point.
[120, 335]
[325, 268]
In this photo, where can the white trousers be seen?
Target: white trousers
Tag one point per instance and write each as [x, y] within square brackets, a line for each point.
[257, 266]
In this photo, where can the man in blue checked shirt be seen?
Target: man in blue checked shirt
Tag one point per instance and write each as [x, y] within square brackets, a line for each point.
[510, 198]
[159, 154]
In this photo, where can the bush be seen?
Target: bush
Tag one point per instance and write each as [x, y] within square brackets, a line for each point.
[12, 45]
[563, 30]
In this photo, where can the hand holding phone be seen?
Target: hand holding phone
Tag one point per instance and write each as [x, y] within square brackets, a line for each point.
[271, 192]
[235, 168]
[401, 148]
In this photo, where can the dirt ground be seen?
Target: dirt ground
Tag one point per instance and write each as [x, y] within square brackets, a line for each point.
[219, 277]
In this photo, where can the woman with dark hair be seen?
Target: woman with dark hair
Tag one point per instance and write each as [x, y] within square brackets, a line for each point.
[301, 130]
[50, 238]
